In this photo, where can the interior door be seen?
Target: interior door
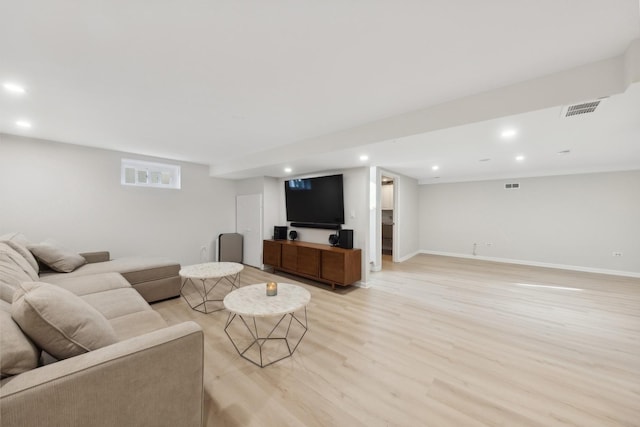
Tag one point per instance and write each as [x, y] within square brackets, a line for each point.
[249, 224]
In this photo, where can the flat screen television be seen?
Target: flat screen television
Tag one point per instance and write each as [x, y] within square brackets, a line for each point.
[315, 202]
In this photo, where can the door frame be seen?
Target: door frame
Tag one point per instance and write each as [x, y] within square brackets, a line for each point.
[377, 265]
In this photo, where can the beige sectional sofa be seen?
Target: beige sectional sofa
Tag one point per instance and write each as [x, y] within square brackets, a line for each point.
[86, 349]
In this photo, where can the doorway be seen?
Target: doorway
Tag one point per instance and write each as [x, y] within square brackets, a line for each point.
[385, 210]
[387, 219]
[386, 215]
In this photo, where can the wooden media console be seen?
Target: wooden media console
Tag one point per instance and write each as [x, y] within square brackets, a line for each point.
[324, 263]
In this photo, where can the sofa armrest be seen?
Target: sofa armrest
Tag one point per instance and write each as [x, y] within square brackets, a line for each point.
[153, 379]
[100, 256]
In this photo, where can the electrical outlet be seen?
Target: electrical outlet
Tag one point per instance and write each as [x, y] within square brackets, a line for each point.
[617, 254]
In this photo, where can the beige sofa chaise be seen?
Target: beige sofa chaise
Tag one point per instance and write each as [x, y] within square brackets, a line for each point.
[115, 360]
[154, 278]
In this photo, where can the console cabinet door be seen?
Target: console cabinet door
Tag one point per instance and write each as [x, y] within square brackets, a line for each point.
[271, 253]
[333, 266]
[290, 257]
[309, 261]
[342, 267]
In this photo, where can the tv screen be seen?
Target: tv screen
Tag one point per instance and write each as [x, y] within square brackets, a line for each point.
[315, 200]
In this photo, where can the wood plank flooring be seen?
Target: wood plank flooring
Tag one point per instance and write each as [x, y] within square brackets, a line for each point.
[439, 341]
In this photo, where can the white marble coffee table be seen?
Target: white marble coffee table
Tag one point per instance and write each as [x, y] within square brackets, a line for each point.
[207, 281]
[277, 340]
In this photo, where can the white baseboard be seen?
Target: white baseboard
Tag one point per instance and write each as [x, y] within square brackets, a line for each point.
[536, 263]
[406, 257]
[361, 284]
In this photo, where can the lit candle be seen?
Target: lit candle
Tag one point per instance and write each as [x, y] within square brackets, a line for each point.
[272, 289]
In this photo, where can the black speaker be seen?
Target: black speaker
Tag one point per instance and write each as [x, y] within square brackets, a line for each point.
[280, 233]
[333, 239]
[345, 239]
[293, 234]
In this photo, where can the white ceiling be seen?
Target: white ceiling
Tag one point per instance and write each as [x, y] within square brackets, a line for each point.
[239, 85]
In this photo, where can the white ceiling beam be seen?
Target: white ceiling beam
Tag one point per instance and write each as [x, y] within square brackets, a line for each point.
[632, 63]
[595, 80]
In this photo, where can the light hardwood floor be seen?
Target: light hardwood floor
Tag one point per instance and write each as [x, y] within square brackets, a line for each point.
[438, 341]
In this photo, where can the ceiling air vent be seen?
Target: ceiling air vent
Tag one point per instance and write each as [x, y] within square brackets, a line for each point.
[512, 186]
[581, 108]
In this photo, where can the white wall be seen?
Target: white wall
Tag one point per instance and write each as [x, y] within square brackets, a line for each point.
[356, 212]
[249, 186]
[572, 220]
[272, 206]
[407, 217]
[73, 195]
[374, 215]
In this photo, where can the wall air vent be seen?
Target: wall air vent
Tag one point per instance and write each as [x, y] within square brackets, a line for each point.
[581, 108]
[512, 186]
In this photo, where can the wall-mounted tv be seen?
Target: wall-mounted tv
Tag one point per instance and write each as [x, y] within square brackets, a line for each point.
[315, 202]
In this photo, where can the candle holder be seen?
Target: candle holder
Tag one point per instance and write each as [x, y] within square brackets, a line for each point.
[272, 289]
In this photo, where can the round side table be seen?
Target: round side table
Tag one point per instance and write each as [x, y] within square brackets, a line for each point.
[284, 332]
[208, 281]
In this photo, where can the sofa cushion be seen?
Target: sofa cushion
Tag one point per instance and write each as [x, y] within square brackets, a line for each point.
[18, 259]
[134, 269]
[58, 321]
[137, 323]
[127, 312]
[90, 284]
[19, 242]
[18, 353]
[6, 292]
[117, 302]
[26, 254]
[56, 257]
[16, 237]
[11, 275]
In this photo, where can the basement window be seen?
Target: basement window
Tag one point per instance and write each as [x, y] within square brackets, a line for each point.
[149, 174]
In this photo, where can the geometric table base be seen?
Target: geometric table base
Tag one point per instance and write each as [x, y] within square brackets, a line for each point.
[280, 342]
[202, 296]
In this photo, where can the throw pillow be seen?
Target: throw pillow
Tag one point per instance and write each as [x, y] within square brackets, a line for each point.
[18, 354]
[26, 253]
[58, 321]
[7, 248]
[57, 257]
[12, 273]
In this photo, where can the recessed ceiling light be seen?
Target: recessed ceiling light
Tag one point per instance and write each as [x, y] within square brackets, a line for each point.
[287, 170]
[484, 160]
[23, 124]
[519, 158]
[508, 133]
[563, 152]
[435, 167]
[13, 88]
[364, 158]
